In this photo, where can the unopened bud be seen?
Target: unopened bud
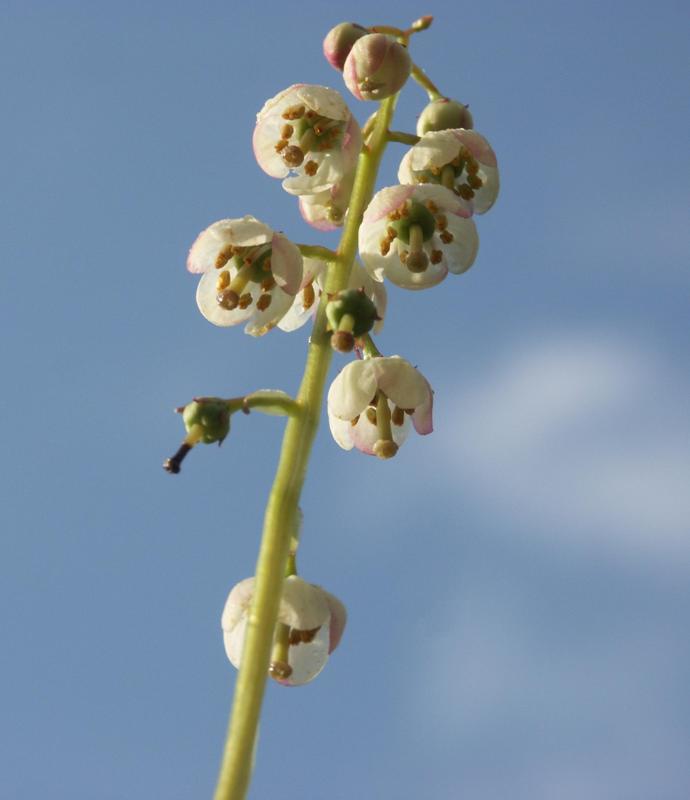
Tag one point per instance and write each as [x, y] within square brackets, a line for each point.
[376, 67]
[444, 114]
[339, 41]
[211, 414]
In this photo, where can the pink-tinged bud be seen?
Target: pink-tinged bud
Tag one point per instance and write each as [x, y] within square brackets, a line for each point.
[339, 41]
[444, 114]
[376, 67]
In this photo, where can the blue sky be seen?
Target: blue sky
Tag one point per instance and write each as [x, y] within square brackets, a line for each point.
[517, 582]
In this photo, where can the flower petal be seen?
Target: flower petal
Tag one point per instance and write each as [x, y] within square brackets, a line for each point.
[303, 606]
[462, 251]
[246, 231]
[341, 430]
[400, 381]
[352, 390]
[286, 264]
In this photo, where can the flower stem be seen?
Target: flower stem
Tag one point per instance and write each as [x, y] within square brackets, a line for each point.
[281, 510]
[403, 138]
[426, 83]
[316, 251]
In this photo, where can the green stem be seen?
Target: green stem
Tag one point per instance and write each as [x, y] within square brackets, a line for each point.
[403, 138]
[316, 251]
[426, 83]
[281, 510]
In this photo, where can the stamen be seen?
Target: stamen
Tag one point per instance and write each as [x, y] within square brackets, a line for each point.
[472, 166]
[465, 192]
[293, 112]
[281, 145]
[446, 237]
[223, 280]
[286, 131]
[224, 256]
[475, 181]
[392, 233]
[398, 416]
[308, 296]
[436, 256]
[384, 247]
[432, 207]
[441, 222]
[263, 302]
[311, 168]
[245, 301]
[268, 283]
[354, 421]
[371, 415]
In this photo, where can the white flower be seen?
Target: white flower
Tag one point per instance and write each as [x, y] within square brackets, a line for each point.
[313, 621]
[326, 210]
[314, 283]
[415, 235]
[370, 401]
[461, 160]
[251, 274]
[307, 135]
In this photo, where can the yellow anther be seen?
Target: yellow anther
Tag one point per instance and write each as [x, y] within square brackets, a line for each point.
[268, 283]
[436, 256]
[371, 415]
[308, 296]
[432, 206]
[245, 301]
[392, 233]
[398, 416]
[223, 280]
[294, 112]
[263, 302]
[311, 168]
[475, 181]
[354, 421]
[441, 222]
[384, 247]
[281, 145]
[446, 237]
[224, 256]
[465, 192]
[286, 131]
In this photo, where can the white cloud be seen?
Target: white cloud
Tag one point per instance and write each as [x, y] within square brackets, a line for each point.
[586, 436]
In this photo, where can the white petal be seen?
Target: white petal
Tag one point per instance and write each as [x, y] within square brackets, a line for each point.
[286, 264]
[326, 102]
[206, 293]
[352, 390]
[401, 382]
[435, 149]
[341, 430]
[246, 231]
[303, 605]
[307, 659]
[462, 251]
[262, 322]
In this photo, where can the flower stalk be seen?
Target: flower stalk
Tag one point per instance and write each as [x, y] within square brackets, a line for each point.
[281, 510]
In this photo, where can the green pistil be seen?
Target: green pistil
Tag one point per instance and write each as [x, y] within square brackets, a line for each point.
[417, 216]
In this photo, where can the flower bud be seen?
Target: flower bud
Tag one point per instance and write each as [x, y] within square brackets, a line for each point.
[339, 41]
[350, 314]
[376, 67]
[211, 415]
[443, 114]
